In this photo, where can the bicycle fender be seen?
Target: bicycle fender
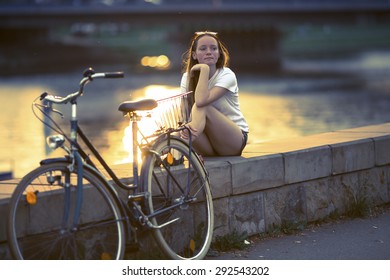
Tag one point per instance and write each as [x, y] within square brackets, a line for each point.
[52, 160]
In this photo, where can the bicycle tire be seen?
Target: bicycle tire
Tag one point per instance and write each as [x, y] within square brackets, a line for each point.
[190, 236]
[41, 214]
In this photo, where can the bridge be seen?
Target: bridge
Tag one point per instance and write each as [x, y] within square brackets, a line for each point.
[249, 26]
[185, 12]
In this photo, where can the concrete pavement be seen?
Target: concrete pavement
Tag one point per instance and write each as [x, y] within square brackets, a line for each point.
[350, 239]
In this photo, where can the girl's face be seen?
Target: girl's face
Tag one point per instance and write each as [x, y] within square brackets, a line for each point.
[206, 51]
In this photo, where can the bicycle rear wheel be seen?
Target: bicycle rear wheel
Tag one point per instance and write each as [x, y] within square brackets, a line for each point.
[180, 196]
[42, 223]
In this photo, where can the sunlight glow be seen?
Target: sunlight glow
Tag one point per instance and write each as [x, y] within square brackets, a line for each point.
[160, 91]
[21, 134]
[169, 113]
[161, 62]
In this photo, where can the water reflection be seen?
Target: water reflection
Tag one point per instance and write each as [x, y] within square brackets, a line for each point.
[268, 117]
[21, 135]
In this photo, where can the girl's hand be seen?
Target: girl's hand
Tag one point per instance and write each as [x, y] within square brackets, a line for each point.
[199, 67]
[185, 133]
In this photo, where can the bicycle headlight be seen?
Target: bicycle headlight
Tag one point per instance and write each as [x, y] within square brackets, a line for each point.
[55, 141]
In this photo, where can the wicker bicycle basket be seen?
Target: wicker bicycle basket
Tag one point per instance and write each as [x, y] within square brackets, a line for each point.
[173, 111]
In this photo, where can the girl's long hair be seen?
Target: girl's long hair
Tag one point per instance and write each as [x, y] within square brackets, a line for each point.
[189, 61]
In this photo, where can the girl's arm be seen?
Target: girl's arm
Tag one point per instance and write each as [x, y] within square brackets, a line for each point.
[204, 96]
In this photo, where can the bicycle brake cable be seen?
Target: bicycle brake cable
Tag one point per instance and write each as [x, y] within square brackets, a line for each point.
[55, 127]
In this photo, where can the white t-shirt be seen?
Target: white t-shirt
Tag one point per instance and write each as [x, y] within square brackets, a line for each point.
[227, 104]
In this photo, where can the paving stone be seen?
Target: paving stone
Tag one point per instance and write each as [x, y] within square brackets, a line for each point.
[353, 156]
[307, 164]
[286, 204]
[246, 213]
[382, 150]
[257, 173]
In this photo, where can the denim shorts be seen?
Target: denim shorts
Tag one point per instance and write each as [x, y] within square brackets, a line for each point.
[244, 140]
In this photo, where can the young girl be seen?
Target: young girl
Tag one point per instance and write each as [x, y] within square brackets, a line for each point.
[217, 125]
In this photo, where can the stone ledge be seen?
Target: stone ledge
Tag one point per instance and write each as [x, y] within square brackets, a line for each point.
[382, 150]
[317, 140]
[303, 179]
[307, 164]
[353, 156]
[277, 163]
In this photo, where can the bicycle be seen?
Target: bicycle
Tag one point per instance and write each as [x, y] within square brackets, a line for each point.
[67, 209]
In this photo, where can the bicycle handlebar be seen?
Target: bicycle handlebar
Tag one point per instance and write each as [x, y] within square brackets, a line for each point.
[89, 75]
[113, 75]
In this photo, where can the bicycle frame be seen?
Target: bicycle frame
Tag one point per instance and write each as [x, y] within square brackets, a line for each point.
[170, 188]
[78, 155]
[101, 161]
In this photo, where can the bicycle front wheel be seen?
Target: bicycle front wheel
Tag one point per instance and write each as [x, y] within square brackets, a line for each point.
[180, 203]
[45, 222]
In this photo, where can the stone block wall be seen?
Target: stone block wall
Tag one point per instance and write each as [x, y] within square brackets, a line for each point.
[310, 178]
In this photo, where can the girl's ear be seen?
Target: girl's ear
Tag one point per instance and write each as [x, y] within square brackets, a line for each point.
[194, 55]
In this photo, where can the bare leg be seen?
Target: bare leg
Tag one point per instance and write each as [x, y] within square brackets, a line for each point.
[214, 133]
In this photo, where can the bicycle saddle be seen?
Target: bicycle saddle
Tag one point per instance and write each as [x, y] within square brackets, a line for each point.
[143, 104]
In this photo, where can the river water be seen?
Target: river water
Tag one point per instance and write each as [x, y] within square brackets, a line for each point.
[311, 96]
